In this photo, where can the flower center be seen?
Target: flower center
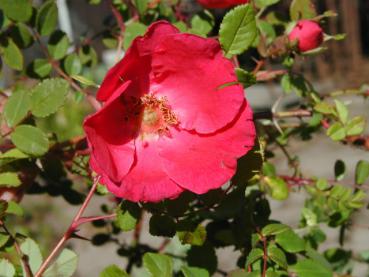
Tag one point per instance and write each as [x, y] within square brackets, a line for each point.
[156, 117]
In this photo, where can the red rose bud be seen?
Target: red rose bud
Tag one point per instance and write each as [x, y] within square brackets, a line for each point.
[308, 34]
[221, 4]
[165, 126]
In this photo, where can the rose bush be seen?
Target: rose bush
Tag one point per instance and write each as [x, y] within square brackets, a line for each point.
[218, 4]
[164, 111]
[308, 34]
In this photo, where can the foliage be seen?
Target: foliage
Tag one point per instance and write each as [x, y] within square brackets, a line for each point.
[43, 149]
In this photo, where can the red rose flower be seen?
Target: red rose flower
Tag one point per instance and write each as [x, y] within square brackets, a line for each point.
[166, 126]
[221, 4]
[309, 35]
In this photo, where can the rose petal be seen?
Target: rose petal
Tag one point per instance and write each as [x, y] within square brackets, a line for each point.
[135, 65]
[111, 137]
[147, 181]
[217, 4]
[188, 71]
[200, 163]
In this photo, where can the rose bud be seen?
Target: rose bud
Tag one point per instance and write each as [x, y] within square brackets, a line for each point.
[308, 34]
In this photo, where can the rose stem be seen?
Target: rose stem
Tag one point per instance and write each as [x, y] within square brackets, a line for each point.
[77, 220]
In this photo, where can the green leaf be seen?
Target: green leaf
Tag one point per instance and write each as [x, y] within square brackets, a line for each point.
[17, 107]
[254, 255]
[322, 184]
[324, 108]
[14, 154]
[72, 64]
[182, 27]
[127, 216]
[342, 111]
[113, 271]
[83, 80]
[302, 9]
[39, 68]
[9, 179]
[361, 172]
[30, 140]
[14, 208]
[32, 250]
[336, 131]
[339, 170]
[109, 40]
[162, 225]
[309, 216]
[18, 10]
[238, 30]
[358, 200]
[47, 18]
[48, 96]
[58, 44]
[133, 30]
[246, 78]
[243, 273]
[87, 55]
[265, 3]
[277, 187]
[189, 271]
[11, 55]
[277, 256]
[3, 207]
[21, 35]
[197, 237]
[141, 6]
[274, 229]
[4, 239]
[269, 169]
[64, 266]
[158, 265]
[6, 268]
[290, 241]
[202, 23]
[309, 268]
[355, 126]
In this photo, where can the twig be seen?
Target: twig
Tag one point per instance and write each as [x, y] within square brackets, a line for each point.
[163, 245]
[77, 220]
[287, 114]
[138, 229]
[55, 64]
[23, 257]
[122, 27]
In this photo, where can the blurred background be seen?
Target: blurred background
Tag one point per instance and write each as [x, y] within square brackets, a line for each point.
[344, 66]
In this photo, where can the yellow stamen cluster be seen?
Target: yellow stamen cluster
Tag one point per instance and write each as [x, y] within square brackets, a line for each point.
[151, 104]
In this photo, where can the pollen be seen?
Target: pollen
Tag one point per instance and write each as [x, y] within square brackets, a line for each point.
[157, 116]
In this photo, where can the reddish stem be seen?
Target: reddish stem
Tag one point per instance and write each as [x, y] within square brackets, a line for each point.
[77, 220]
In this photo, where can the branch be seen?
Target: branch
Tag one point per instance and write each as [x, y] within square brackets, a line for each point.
[277, 115]
[77, 220]
[55, 64]
[23, 257]
[122, 27]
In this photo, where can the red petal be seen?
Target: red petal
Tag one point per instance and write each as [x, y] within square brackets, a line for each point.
[200, 163]
[188, 71]
[147, 180]
[111, 138]
[135, 65]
